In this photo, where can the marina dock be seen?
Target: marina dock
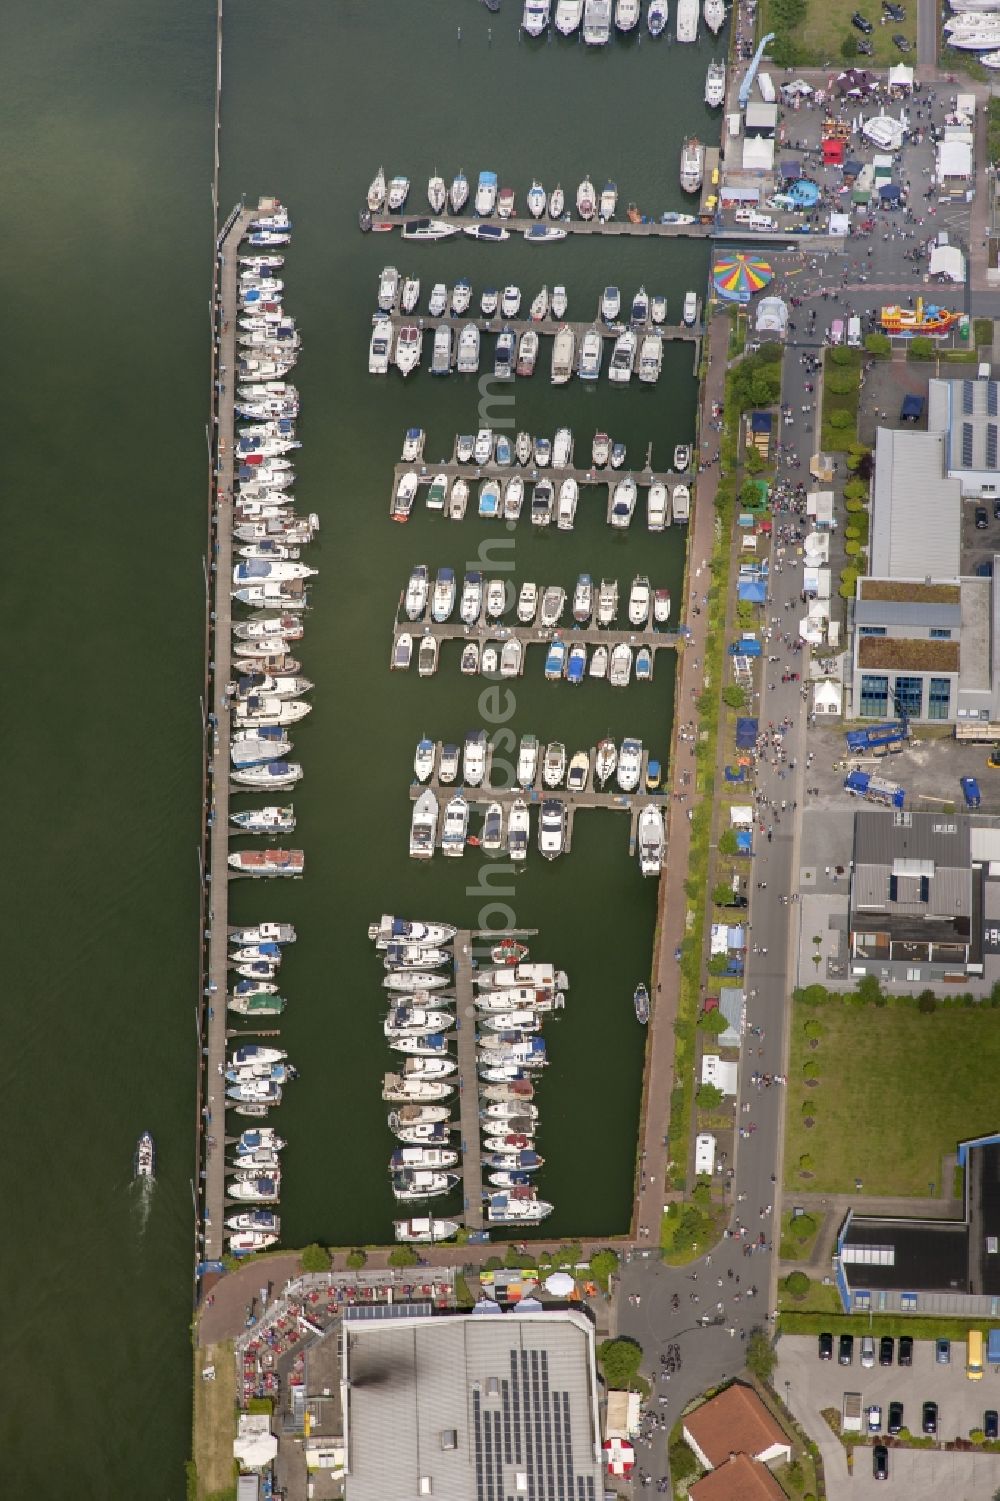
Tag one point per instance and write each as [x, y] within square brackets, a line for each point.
[468, 1083]
[215, 957]
[517, 224]
[547, 327]
[480, 797]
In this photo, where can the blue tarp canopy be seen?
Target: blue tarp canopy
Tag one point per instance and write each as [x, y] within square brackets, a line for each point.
[761, 422]
[752, 590]
[890, 191]
[743, 841]
[912, 409]
[790, 169]
[746, 733]
[852, 167]
[736, 773]
[747, 646]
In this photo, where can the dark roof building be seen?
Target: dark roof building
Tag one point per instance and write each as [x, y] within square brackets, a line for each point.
[949, 1267]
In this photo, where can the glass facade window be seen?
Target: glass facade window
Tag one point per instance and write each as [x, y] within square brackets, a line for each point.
[939, 698]
[862, 1301]
[871, 630]
[940, 635]
[874, 695]
[908, 1302]
[910, 696]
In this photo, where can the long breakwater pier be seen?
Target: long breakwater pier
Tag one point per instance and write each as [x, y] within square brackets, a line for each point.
[524, 227]
[215, 917]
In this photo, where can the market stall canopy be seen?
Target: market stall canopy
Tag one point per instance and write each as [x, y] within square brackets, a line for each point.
[560, 1284]
[901, 77]
[737, 277]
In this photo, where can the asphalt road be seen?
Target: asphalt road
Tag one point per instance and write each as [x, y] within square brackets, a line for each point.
[927, 24]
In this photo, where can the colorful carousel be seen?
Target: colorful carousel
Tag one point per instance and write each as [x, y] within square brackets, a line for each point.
[738, 277]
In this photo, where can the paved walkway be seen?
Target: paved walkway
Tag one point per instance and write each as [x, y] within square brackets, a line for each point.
[672, 907]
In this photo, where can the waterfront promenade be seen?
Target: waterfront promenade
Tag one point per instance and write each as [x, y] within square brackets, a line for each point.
[215, 958]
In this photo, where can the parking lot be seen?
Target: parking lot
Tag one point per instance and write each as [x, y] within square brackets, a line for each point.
[809, 1385]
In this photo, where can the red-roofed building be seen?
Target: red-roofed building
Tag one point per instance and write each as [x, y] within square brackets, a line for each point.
[735, 1422]
[739, 1479]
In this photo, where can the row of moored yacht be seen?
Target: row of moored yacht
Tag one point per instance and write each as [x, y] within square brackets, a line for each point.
[595, 19]
[511, 999]
[491, 598]
[505, 500]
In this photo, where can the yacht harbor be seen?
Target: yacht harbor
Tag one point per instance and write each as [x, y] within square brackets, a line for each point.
[466, 1013]
[451, 781]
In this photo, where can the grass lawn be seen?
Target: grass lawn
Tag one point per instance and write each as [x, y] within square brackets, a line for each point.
[895, 1091]
[214, 1420]
[819, 1299]
[842, 367]
[826, 25]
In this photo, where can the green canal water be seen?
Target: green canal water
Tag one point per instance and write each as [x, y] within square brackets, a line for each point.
[107, 114]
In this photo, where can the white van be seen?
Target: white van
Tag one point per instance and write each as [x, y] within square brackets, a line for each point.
[836, 335]
[744, 215]
[762, 221]
[854, 332]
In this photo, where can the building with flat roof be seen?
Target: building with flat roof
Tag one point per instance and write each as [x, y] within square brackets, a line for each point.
[884, 1264]
[735, 1422]
[483, 1406]
[916, 510]
[967, 414]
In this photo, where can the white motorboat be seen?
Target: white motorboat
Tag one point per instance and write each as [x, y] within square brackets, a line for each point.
[511, 657]
[715, 78]
[527, 353]
[554, 765]
[518, 830]
[527, 602]
[417, 589]
[269, 820]
[399, 191]
[468, 349]
[376, 200]
[503, 355]
[398, 1089]
[388, 289]
[518, 1206]
[441, 354]
[427, 656]
[626, 15]
[527, 761]
[423, 1231]
[456, 826]
[437, 194]
[439, 300]
[523, 448]
[687, 20]
[555, 660]
[591, 355]
[410, 295]
[661, 606]
[689, 311]
[423, 759]
[563, 355]
[714, 12]
[607, 602]
[692, 158]
[461, 297]
[505, 203]
[486, 194]
[681, 503]
[402, 652]
[597, 22]
[537, 199]
[380, 347]
[406, 494]
[609, 193]
[658, 308]
[650, 359]
[569, 495]
[260, 709]
[535, 17]
[569, 14]
[639, 602]
[513, 498]
[656, 506]
[620, 665]
[510, 302]
[404, 1020]
[652, 840]
[623, 502]
[496, 597]
[490, 499]
[551, 835]
[606, 761]
[542, 502]
[682, 457]
[443, 597]
[629, 764]
[611, 304]
[557, 202]
[578, 774]
[544, 234]
[583, 599]
[458, 193]
[598, 667]
[482, 452]
[553, 604]
[427, 229]
[469, 661]
[457, 500]
[274, 776]
[390, 929]
[416, 1183]
[491, 839]
[539, 306]
[600, 451]
[586, 199]
[471, 605]
[409, 346]
[623, 357]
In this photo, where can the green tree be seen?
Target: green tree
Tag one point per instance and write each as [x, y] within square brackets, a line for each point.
[315, 1259]
[760, 1357]
[722, 893]
[702, 1193]
[734, 697]
[603, 1265]
[855, 489]
[810, 1069]
[880, 345]
[926, 1002]
[709, 1097]
[813, 1030]
[402, 1256]
[713, 1022]
[802, 1227]
[752, 461]
[922, 348]
[841, 419]
[797, 1284]
[870, 990]
[682, 1461]
[620, 1361]
[727, 843]
[717, 964]
[841, 355]
[848, 47]
[806, 1163]
[356, 1259]
[749, 497]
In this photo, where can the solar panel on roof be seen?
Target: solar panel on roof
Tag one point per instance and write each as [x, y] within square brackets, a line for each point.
[967, 396]
[991, 397]
[991, 445]
[967, 445]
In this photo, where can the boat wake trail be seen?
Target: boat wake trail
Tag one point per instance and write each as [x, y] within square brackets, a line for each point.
[142, 1192]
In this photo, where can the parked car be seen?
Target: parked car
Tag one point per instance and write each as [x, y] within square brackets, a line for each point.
[862, 23]
[894, 12]
[902, 42]
[845, 1353]
[991, 1424]
[826, 1347]
[895, 1422]
[880, 1462]
[905, 1356]
[996, 510]
[982, 518]
[929, 1418]
[874, 1418]
[885, 1350]
[867, 1351]
[865, 48]
[942, 1351]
